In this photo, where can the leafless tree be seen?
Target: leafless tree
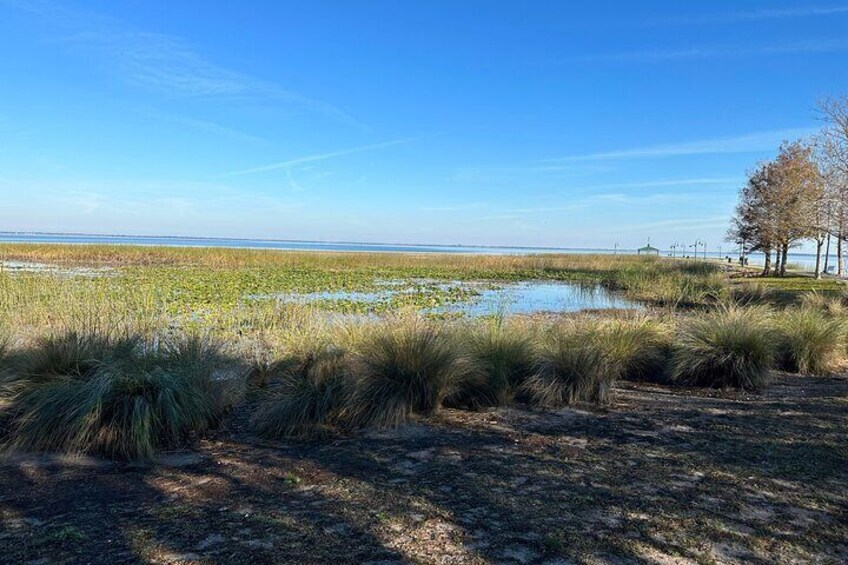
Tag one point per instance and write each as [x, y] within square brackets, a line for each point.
[832, 145]
[780, 205]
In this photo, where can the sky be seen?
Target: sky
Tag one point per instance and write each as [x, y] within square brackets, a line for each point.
[545, 123]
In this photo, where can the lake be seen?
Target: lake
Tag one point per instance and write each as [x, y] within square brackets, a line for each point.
[802, 260]
[483, 298]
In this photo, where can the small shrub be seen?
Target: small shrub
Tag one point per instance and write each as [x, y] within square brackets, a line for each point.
[811, 342]
[730, 347]
[572, 368]
[312, 399]
[404, 370]
[79, 393]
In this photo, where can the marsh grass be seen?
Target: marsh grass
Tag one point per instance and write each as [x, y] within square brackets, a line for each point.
[751, 294]
[669, 283]
[571, 367]
[406, 369]
[120, 398]
[312, 401]
[729, 347]
[204, 288]
[638, 349]
[811, 340]
[831, 304]
[502, 355]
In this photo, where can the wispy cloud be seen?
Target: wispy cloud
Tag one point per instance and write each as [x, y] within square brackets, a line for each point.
[748, 143]
[752, 15]
[165, 63]
[714, 52]
[283, 165]
[688, 224]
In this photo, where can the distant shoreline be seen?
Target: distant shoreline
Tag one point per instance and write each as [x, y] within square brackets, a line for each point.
[70, 238]
[36, 237]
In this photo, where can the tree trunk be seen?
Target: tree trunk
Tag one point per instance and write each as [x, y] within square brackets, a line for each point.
[784, 252]
[839, 255]
[777, 261]
[827, 252]
[819, 245]
[767, 266]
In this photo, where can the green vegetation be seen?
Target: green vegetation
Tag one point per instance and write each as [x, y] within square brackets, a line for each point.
[100, 364]
[311, 399]
[218, 288]
[503, 354]
[406, 369]
[639, 350]
[811, 341]
[731, 347]
[572, 367]
[86, 393]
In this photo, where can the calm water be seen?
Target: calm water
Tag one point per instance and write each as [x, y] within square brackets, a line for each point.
[801, 260]
[534, 297]
[8, 237]
[527, 297]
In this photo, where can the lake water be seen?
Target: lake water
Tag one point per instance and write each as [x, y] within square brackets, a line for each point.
[528, 297]
[535, 297]
[802, 260]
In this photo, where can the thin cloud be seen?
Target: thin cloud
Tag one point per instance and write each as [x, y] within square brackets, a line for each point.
[687, 224]
[167, 64]
[318, 157]
[749, 143]
[714, 52]
[751, 15]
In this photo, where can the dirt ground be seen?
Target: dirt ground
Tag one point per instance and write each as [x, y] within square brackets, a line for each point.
[661, 476]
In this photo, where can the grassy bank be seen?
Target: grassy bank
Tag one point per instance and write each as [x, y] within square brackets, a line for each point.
[215, 282]
[101, 352]
[128, 396]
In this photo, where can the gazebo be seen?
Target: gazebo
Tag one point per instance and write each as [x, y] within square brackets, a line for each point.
[648, 250]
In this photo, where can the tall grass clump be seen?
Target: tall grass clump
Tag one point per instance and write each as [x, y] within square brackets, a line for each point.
[638, 350]
[832, 305]
[668, 283]
[811, 342]
[502, 357]
[729, 347]
[406, 369]
[572, 367]
[753, 293]
[312, 400]
[120, 398]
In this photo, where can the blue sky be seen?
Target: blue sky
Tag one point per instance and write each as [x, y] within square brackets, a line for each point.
[476, 122]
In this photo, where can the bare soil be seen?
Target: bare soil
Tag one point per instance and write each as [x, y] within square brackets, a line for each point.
[662, 476]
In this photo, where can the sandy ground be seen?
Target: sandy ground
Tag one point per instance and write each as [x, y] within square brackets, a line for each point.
[661, 476]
